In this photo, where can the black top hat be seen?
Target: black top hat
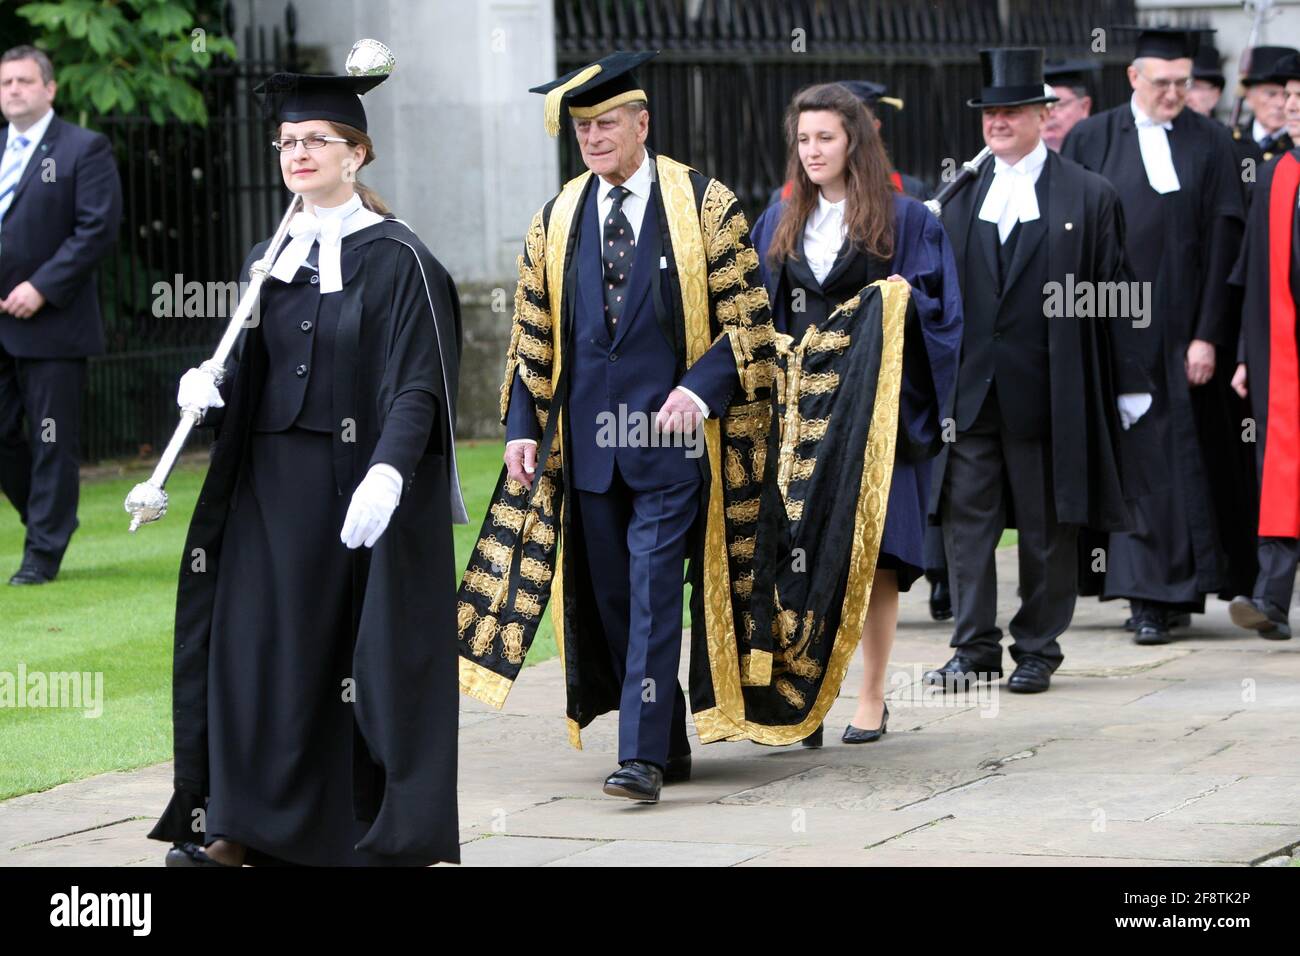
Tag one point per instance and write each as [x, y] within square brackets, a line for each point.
[1071, 73]
[596, 88]
[1208, 63]
[872, 94]
[1287, 68]
[1263, 65]
[297, 97]
[1013, 76]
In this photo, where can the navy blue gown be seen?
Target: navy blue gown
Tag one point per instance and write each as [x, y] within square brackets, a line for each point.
[932, 347]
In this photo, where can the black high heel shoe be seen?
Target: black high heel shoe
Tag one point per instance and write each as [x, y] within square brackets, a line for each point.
[856, 735]
[814, 739]
[191, 854]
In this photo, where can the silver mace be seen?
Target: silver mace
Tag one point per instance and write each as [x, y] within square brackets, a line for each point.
[148, 501]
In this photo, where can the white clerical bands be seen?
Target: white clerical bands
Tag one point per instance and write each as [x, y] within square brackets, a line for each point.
[1153, 141]
[329, 228]
[1011, 198]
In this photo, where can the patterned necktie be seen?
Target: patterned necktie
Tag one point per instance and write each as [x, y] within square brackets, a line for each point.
[10, 167]
[617, 256]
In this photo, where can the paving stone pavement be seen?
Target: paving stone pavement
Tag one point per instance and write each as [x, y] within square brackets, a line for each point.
[1186, 754]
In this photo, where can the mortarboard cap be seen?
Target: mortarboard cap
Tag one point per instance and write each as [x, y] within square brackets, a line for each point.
[297, 97]
[871, 93]
[1071, 73]
[1167, 43]
[596, 88]
[1208, 63]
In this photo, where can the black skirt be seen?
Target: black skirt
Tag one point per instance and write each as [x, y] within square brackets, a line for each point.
[281, 726]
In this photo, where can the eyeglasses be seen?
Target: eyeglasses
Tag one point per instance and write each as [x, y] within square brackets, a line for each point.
[288, 144]
[1182, 85]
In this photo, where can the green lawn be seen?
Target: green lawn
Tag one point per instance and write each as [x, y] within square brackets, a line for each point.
[110, 612]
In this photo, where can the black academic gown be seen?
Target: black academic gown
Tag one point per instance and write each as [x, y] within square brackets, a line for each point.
[1082, 225]
[1192, 525]
[335, 742]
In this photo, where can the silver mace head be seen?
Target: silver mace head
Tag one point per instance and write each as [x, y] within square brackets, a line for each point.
[146, 502]
[369, 58]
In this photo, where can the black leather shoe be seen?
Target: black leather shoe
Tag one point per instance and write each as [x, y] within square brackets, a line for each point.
[636, 780]
[856, 735]
[1173, 620]
[191, 854]
[814, 739]
[1151, 629]
[30, 574]
[940, 601]
[1261, 617]
[678, 769]
[962, 671]
[1033, 675]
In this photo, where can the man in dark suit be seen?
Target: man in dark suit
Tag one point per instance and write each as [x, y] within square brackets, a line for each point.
[633, 440]
[60, 206]
[1035, 415]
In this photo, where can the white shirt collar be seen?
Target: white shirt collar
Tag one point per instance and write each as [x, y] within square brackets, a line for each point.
[1029, 164]
[638, 184]
[1258, 132]
[341, 211]
[825, 208]
[34, 133]
[1140, 118]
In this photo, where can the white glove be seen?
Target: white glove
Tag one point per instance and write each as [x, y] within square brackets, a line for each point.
[1132, 406]
[372, 506]
[198, 390]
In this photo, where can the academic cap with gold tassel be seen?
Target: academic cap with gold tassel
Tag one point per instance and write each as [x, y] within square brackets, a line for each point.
[872, 94]
[594, 89]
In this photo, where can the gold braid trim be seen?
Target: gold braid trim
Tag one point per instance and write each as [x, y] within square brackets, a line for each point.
[535, 349]
[743, 512]
[829, 341]
[482, 684]
[813, 429]
[869, 521]
[819, 383]
[688, 225]
[756, 669]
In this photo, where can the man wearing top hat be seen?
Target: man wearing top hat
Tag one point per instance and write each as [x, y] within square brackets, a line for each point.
[1264, 135]
[1179, 182]
[1035, 412]
[639, 302]
[1073, 82]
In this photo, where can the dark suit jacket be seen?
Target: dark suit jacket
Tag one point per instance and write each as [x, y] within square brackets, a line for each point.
[636, 369]
[63, 219]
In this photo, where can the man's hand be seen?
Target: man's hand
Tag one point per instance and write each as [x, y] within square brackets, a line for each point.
[1239, 380]
[23, 302]
[521, 461]
[679, 413]
[1200, 362]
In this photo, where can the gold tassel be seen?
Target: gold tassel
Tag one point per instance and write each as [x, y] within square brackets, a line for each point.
[555, 97]
[893, 101]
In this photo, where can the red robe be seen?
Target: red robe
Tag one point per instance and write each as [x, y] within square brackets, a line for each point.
[1269, 343]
